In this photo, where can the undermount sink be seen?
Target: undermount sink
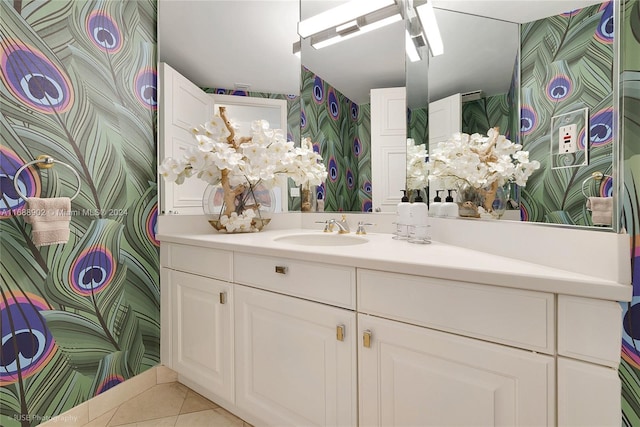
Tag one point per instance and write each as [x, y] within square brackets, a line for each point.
[324, 239]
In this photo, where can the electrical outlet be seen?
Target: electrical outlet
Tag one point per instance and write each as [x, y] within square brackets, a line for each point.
[294, 191]
[567, 139]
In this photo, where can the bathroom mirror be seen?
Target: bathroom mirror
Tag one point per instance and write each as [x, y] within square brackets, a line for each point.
[335, 104]
[568, 62]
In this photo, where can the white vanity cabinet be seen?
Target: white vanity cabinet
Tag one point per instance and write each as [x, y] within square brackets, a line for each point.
[295, 343]
[413, 375]
[295, 360]
[290, 341]
[199, 313]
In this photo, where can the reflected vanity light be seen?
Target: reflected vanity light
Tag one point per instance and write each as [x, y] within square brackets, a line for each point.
[339, 15]
[412, 50]
[351, 31]
[430, 26]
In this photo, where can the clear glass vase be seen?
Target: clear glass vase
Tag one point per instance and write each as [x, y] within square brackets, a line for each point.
[252, 204]
[487, 202]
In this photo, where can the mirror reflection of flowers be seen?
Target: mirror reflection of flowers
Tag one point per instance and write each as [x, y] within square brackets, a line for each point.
[239, 164]
[483, 162]
[417, 166]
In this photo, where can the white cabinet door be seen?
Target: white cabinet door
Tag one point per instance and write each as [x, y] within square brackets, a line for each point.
[202, 317]
[183, 105]
[292, 369]
[413, 376]
[388, 147]
[588, 395]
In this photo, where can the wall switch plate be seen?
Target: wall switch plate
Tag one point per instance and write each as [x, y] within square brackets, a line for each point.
[568, 139]
[294, 191]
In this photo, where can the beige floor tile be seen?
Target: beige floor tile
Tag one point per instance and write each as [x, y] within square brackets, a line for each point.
[210, 418]
[195, 403]
[121, 393]
[160, 401]
[103, 420]
[158, 422]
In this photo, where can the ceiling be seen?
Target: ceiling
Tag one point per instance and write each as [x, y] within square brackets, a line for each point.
[224, 43]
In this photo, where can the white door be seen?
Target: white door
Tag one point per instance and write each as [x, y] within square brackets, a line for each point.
[445, 118]
[202, 317]
[388, 147]
[183, 105]
[292, 368]
[412, 376]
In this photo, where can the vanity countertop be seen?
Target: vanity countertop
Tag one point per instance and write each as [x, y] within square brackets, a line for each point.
[437, 260]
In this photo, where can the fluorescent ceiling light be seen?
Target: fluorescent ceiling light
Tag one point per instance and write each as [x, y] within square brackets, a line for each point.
[374, 26]
[430, 27]
[412, 51]
[339, 15]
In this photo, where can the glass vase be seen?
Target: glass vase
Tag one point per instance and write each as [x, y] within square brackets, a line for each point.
[487, 202]
[251, 205]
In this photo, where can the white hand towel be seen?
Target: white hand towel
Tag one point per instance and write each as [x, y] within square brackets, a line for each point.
[49, 219]
[601, 210]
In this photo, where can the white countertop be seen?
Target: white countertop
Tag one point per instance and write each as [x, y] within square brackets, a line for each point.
[437, 260]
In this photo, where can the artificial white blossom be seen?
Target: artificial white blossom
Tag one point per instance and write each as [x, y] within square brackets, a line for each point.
[481, 160]
[417, 166]
[263, 158]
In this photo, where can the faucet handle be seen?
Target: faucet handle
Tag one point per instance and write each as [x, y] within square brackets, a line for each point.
[328, 225]
[360, 229]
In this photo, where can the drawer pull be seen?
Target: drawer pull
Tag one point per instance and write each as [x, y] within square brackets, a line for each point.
[340, 332]
[281, 269]
[366, 339]
[223, 297]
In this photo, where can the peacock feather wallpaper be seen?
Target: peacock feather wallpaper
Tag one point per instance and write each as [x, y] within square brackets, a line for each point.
[340, 130]
[630, 82]
[566, 65]
[78, 84]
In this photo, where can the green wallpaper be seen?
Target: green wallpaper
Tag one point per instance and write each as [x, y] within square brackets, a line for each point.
[341, 131]
[630, 364]
[79, 84]
[567, 65]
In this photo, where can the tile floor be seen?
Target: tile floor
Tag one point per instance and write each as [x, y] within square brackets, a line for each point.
[168, 404]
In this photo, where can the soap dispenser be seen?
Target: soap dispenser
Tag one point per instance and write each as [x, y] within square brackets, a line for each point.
[436, 205]
[449, 208]
[418, 211]
[403, 217]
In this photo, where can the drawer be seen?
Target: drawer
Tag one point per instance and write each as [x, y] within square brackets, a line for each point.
[514, 317]
[589, 329]
[214, 263]
[330, 284]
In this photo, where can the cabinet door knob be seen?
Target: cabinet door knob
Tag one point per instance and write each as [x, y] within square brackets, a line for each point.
[281, 269]
[223, 297]
[366, 339]
[340, 332]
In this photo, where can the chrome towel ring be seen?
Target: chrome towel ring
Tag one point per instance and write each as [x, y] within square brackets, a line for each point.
[44, 162]
[597, 176]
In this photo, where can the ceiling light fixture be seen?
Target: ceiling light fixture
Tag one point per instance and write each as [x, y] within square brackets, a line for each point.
[429, 24]
[339, 15]
[333, 37]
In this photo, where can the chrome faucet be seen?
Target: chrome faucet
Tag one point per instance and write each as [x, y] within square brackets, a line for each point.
[343, 226]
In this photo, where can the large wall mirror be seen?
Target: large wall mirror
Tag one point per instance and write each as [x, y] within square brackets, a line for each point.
[576, 47]
[336, 82]
[523, 69]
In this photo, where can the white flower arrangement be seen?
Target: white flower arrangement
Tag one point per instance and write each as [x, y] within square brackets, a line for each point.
[481, 161]
[241, 163]
[417, 166]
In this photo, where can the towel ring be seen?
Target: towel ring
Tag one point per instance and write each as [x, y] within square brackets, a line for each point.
[44, 162]
[597, 176]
